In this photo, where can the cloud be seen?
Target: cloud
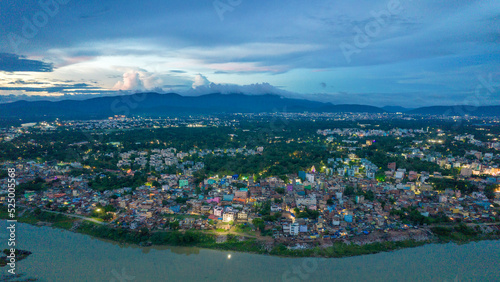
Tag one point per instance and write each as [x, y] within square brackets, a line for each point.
[17, 63]
[416, 52]
[174, 86]
[139, 80]
[202, 86]
[23, 82]
[131, 81]
[200, 81]
[81, 96]
[50, 90]
[49, 87]
[405, 99]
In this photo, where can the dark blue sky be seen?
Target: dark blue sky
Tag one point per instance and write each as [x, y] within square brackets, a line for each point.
[409, 53]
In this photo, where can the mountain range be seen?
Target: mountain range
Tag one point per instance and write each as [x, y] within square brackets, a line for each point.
[154, 104]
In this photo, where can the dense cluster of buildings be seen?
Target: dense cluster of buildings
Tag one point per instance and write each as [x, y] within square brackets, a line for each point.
[312, 204]
[343, 198]
[160, 159]
[357, 132]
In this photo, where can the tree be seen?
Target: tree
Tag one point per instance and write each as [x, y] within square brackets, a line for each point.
[489, 191]
[174, 225]
[259, 223]
[284, 178]
[307, 213]
[296, 211]
[280, 190]
[109, 208]
[180, 200]
[349, 190]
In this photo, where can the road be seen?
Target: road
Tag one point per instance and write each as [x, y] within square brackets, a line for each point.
[73, 215]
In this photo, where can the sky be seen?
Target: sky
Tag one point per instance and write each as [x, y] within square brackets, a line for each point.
[392, 52]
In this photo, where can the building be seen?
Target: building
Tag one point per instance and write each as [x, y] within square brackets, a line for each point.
[242, 194]
[242, 216]
[228, 216]
[183, 182]
[293, 228]
[306, 201]
[218, 211]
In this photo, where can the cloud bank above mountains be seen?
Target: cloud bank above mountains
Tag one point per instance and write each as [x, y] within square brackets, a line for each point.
[377, 52]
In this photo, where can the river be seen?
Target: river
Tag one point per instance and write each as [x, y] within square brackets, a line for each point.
[60, 255]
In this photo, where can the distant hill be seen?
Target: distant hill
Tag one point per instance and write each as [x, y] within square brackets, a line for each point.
[154, 104]
[459, 110]
[396, 109]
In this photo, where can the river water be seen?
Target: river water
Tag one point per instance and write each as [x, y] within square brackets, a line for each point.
[60, 255]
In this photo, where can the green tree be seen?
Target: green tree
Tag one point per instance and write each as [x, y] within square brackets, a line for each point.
[259, 223]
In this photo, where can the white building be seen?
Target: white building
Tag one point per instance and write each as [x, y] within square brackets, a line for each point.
[275, 208]
[218, 211]
[228, 216]
[310, 177]
[294, 228]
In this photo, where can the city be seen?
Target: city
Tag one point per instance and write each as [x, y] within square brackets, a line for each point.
[363, 184]
[233, 140]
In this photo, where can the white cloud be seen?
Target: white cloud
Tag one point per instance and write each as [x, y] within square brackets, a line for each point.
[202, 85]
[138, 80]
[200, 81]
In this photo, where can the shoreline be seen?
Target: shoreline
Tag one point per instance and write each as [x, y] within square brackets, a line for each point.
[347, 247]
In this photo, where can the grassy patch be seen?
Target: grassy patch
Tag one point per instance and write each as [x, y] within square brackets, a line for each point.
[339, 250]
[461, 233]
[33, 217]
[233, 244]
[456, 233]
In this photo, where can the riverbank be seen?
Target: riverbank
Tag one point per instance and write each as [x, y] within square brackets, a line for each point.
[56, 251]
[321, 248]
[19, 255]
